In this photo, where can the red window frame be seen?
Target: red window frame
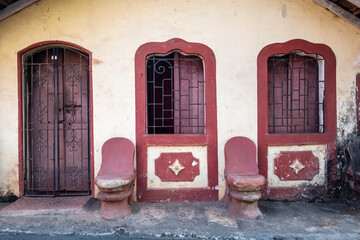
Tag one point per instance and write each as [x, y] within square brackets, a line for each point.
[209, 138]
[264, 138]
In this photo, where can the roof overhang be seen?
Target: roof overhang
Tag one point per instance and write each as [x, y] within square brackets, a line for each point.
[10, 7]
[346, 9]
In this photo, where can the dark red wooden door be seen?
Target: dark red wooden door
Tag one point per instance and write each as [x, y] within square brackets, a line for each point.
[56, 122]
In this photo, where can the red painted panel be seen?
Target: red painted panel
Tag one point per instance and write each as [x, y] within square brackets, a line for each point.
[208, 139]
[265, 139]
[296, 165]
[187, 167]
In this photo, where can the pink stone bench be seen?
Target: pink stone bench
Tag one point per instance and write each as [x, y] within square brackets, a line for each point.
[243, 179]
[115, 179]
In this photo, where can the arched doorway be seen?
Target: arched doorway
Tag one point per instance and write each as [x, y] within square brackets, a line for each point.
[56, 121]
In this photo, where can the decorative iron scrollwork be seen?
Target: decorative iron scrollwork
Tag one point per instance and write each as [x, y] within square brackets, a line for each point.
[73, 172]
[56, 99]
[74, 143]
[39, 173]
[72, 110]
[40, 144]
[73, 75]
[39, 110]
[41, 75]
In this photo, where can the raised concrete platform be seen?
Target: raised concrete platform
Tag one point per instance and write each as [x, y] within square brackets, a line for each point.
[282, 220]
[40, 203]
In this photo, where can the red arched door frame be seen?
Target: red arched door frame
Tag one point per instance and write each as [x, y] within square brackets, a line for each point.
[20, 57]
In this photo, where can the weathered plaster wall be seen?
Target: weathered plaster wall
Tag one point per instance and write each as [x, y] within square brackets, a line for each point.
[112, 30]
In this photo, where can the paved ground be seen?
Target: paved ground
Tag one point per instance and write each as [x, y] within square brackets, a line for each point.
[77, 237]
[281, 220]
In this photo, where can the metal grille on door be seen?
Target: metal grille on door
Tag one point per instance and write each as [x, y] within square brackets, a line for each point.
[56, 100]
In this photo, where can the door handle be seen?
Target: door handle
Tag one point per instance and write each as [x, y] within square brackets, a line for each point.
[61, 121]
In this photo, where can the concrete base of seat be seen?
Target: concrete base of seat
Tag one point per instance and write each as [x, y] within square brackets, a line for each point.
[115, 210]
[115, 204]
[244, 193]
[242, 209]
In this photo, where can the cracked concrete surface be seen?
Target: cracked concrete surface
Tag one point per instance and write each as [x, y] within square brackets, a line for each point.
[281, 220]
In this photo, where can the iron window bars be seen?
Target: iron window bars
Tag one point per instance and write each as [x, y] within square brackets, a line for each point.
[296, 93]
[175, 94]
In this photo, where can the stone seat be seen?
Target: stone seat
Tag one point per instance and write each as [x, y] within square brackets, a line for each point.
[243, 179]
[114, 182]
[115, 179]
[246, 182]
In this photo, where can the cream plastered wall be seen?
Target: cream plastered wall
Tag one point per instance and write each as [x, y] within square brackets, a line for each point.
[113, 30]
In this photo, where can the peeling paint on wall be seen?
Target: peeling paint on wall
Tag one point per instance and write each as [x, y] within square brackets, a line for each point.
[347, 118]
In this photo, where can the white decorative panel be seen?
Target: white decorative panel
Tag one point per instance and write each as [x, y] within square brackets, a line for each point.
[199, 152]
[319, 151]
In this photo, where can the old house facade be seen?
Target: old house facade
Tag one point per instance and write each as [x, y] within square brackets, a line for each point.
[179, 79]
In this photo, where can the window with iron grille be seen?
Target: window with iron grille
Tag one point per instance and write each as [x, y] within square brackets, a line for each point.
[295, 93]
[175, 95]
